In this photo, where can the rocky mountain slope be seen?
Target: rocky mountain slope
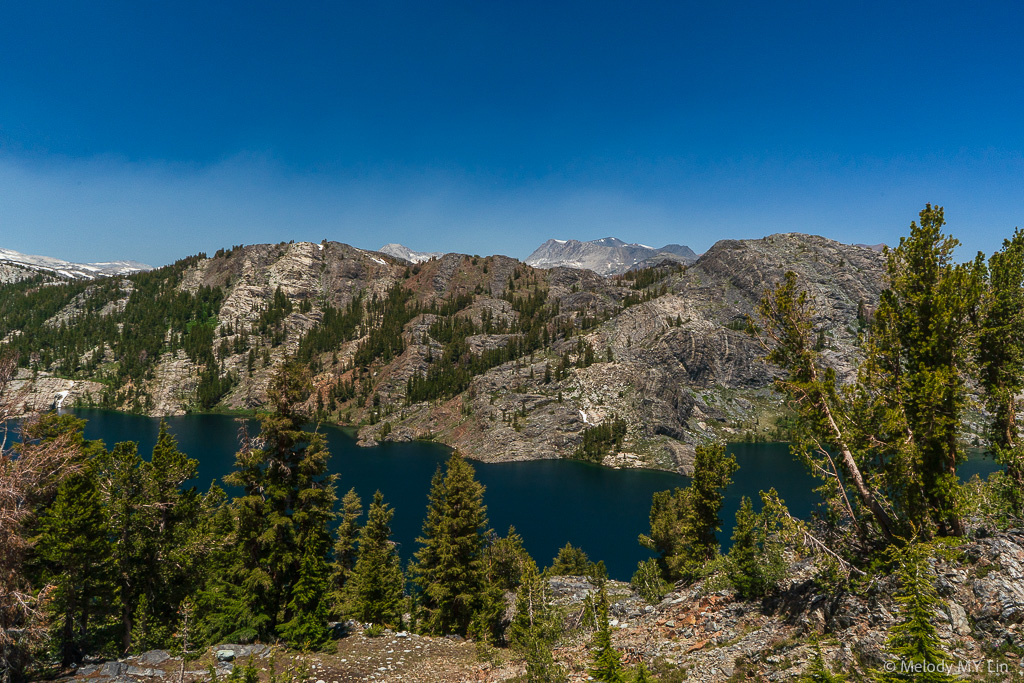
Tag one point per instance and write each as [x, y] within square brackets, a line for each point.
[499, 359]
[608, 256]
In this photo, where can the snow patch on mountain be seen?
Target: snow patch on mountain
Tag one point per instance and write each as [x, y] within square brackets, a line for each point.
[407, 254]
[606, 256]
[74, 271]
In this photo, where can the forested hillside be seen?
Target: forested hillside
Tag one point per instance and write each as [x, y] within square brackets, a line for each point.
[487, 354]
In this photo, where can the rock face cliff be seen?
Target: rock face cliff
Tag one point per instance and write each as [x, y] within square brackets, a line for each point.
[499, 359]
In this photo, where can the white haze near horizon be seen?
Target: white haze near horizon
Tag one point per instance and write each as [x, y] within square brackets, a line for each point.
[105, 209]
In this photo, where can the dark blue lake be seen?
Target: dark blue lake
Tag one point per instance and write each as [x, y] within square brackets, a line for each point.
[550, 502]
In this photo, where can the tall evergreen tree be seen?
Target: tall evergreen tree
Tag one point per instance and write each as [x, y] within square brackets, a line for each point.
[377, 584]
[606, 662]
[29, 479]
[282, 514]
[1001, 361]
[914, 642]
[825, 438]
[755, 561]
[173, 516]
[900, 422]
[75, 547]
[684, 522]
[535, 628]
[345, 549]
[915, 371]
[312, 510]
[448, 568]
[124, 494]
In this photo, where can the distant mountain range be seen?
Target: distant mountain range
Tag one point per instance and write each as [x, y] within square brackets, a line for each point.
[74, 271]
[608, 256]
[407, 254]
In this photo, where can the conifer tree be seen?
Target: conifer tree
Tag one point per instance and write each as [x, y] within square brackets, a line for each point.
[641, 674]
[173, 518]
[915, 371]
[818, 672]
[312, 510]
[570, 561]
[377, 584]
[823, 437]
[281, 516]
[448, 568]
[75, 547]
[914, 642]
[505, 563]
[1001, 361]
[606, 663]
[345, 549]
[900, 422]
[126, 507]
[29, 479]
[307, 629]
[755, 561]
[684, 522]
[535, 628]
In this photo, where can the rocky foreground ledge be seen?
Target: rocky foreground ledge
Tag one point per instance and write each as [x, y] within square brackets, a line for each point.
[696, 633]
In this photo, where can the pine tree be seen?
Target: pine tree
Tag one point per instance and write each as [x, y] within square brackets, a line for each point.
[755, 561]
[823, 436]
[448, 568]
[914, 642]
[535, 628]
[570, 561]
[641, 674]
[684, 522]
[75, 548]
[307, 584]
[280, 524]
[915, 370]
[126, 507]
[505, 563]
[1001, 361]
[818, 672]
[173, 517]
[307, 629]
[376, 586]
[345, 549]
[30, 479]
[606, 663]
[312, 510]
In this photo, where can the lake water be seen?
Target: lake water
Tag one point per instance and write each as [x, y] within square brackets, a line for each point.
[550, 502]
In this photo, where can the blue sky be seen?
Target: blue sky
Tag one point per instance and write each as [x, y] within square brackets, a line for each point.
[153, 130]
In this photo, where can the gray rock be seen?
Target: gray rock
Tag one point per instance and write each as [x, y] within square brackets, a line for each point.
[225, 655]
[154, 657]
[145, 672]
[113, 669]
[253, 650]
[958, 619]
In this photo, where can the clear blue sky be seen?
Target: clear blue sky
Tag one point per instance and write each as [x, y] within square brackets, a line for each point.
[153, 130]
